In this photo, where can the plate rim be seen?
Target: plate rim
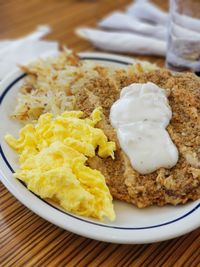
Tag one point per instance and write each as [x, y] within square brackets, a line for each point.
[114, 238]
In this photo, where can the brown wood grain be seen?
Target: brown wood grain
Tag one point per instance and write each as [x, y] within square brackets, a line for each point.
[25, 238]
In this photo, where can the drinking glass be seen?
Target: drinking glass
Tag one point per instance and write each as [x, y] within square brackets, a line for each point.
[183, 49]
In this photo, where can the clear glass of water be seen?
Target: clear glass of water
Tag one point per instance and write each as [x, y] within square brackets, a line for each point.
[183, 50]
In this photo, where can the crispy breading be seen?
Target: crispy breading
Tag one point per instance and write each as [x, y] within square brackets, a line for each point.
[174, 186]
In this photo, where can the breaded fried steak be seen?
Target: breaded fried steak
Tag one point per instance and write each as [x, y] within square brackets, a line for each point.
[174, 186]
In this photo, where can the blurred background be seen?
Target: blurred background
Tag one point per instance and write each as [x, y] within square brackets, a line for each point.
[19, 17]
[143, 29]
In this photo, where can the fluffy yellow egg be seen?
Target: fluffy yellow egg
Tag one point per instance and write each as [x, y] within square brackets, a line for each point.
[53, 155]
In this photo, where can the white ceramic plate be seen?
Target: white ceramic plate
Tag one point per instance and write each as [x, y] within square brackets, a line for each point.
[132, 226]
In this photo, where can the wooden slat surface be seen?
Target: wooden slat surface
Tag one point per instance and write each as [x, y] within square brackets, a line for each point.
[25, 238]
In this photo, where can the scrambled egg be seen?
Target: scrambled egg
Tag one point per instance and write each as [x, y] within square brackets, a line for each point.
[53, 157]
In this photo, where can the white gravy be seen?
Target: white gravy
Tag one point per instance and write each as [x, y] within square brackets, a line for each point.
[140, 117]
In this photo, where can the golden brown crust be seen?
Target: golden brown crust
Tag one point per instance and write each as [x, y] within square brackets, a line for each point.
[174, 186]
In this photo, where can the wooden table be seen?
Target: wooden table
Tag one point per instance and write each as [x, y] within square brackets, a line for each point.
[25, 238]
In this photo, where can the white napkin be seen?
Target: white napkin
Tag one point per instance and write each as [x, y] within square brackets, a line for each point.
[124, 22]
[142, 29]
[124, 32]
[123, 42]
[147, 11]
[24, 50]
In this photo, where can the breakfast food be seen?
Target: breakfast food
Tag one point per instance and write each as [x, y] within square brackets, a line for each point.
[53, 157]
[174, 186]
[67, 83]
